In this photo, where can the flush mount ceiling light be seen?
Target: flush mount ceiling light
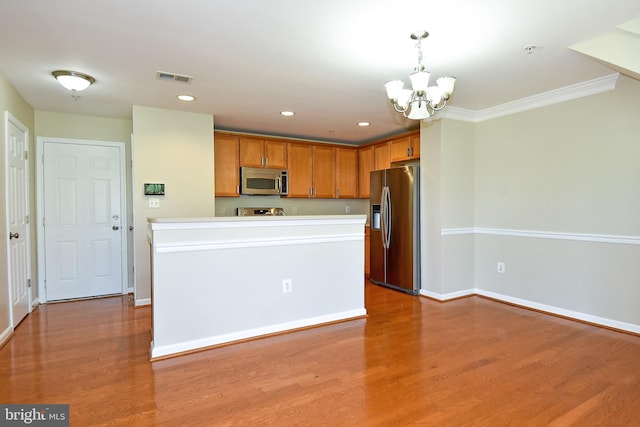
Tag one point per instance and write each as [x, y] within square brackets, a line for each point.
[187, 98]
[73, 80]
[424, 100]
[287, 113]
[363, 124]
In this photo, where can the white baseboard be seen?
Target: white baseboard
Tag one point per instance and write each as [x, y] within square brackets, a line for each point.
[5, 335]
[143, 301]
[449, 296]
[174, 349]
[583, 317]
[35, 302]
[601, 321]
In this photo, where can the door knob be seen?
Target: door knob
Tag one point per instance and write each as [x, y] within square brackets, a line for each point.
[13, 235]
[115, 228]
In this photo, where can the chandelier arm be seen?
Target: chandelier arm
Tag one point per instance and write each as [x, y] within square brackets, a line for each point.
[438, 108]
[397, 108]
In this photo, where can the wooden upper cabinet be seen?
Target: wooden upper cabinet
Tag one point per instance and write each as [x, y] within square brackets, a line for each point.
[381, 156]
[324, 172]
[312, 170]
[276, 154]
[227, 169]
[259, 153]
[365, 166]
[406, 148]
[300, 170]
[346, 173]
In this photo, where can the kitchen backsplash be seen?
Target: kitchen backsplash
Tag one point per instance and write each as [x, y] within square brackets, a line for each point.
[227, 206]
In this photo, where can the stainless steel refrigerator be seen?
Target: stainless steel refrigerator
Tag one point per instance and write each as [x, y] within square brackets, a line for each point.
[395, 228]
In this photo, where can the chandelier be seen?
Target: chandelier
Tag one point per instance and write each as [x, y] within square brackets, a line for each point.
[424, 100]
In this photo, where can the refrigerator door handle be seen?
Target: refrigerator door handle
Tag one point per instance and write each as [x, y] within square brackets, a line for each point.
[383, 216]
[388, 211]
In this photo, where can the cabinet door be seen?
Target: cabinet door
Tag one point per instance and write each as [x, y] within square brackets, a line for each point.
[415, 146]
[324, 172]
[346, 173]
[275, 153]
[400, 149]
[381, 156]
[365, 165]
[300, 170]
[252, 152]
[227, 169]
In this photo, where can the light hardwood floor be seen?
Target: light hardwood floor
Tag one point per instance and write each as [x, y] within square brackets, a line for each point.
[412, 361]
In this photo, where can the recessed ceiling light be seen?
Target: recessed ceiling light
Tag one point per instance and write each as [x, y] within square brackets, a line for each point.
[287, 113]
[363, 124]
[186, 98]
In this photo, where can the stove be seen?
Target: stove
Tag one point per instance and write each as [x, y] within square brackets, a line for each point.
[260, 211]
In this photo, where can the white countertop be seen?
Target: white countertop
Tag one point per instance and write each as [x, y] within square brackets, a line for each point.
[239, 221]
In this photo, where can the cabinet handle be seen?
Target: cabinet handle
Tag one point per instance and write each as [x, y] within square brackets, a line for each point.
[266, 161]
[237, 189]
[338, 192]
[314, 191]
[408, 152]
[310, 192]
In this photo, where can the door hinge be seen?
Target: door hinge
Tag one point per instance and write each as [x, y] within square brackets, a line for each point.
[26, 219]
[28, 283]
[26, 155]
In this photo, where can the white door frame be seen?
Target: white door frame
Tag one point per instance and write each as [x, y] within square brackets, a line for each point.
[41, 140]
[8, 117]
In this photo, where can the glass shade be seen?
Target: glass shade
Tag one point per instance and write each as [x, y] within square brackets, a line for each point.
[419, 111]
[434, 94]
[420, 80]
[403, 98]
[446, 85]
[394, 87]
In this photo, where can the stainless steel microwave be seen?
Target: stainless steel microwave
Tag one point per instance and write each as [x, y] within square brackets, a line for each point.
[264, 181]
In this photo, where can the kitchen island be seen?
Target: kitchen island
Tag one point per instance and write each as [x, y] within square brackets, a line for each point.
[225, 279]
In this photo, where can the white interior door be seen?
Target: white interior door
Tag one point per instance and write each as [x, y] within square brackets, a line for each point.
[18, 218]
[82, 220]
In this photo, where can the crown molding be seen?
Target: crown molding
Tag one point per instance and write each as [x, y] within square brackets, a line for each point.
[556, 96]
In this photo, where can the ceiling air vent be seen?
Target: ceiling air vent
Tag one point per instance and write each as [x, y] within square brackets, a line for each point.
[180, 78]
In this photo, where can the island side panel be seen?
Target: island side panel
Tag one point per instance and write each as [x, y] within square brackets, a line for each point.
[213, 290]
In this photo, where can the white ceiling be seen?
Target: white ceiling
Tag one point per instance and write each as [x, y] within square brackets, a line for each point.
[326, 60]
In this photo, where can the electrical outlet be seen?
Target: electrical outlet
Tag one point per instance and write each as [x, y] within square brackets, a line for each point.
[287, 286]
[294, 210]
[154, 203]
[347, 209]
[501, 268]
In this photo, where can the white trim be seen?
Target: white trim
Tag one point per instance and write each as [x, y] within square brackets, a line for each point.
[556, 235]
[575, 315]
[160, 351]
[253, 221]
[254, 243]
[556, 96]
[448, 296]
[5, 335]
[41, 140]
[630, 327]
[142, 301]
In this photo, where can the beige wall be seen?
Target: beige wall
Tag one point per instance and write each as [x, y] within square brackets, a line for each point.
[447, 180]
[571, 168]
[11, 101]
[174, 148]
